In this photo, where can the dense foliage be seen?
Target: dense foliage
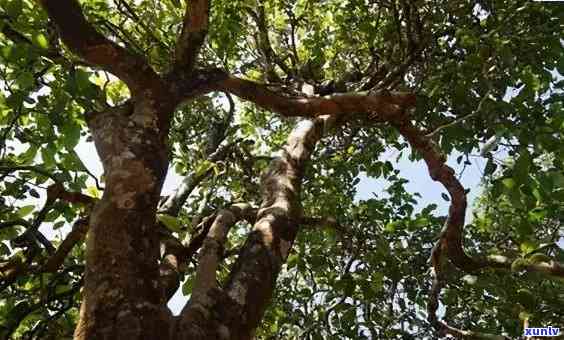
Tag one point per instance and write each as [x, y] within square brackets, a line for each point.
[487, 75]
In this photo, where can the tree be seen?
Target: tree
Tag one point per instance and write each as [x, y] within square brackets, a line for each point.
[322, 90]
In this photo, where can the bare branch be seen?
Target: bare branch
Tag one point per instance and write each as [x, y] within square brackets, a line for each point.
[452, 233]
[278, 218]
[177, 255]
[194, 31]
[439, 171]
[76, 235]
[460, 119]
[251, 281]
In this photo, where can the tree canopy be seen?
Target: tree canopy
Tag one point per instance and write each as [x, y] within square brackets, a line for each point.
[275, 113]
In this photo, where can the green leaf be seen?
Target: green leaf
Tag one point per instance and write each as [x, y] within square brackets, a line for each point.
[93, 192]
[171, 222]
[526, 298]
[188, 285]
[528, 247]
[203, 167]
[59, 289]
[40, 40]
[25, 210]
[509, 183]
[14, 8]
[70, 133]
[25, 80]
[48, 156]
[521, 168]
[58, 225]
[292, 261]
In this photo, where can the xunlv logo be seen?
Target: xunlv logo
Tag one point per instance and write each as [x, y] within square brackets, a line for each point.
[542, 331]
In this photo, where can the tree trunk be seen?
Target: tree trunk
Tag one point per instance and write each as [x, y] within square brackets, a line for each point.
[122, 298]
[235, 311]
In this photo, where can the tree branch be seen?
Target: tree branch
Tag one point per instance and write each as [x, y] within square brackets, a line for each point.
[177, 255]
[77, 233]
[193, 35]
[32, 168]
[212, 251]
[264, 45]
[374, 106]
[252, 279]
[213, 153]
[83, 39]
[239, 306]
[433, 302]
[452, 233]
[14, 269]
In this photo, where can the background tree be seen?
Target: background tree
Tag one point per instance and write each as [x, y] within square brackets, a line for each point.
[310, 94]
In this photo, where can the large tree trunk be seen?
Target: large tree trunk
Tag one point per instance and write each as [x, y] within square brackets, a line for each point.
[122, 298]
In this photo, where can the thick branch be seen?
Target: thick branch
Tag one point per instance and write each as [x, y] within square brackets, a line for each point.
[212, 250]
[177, 255]
[452, 233]
[450, 241]
[191, 39]
[83, 39]
[252, 280]
[375, 106]
[235, 311]
[439, 171]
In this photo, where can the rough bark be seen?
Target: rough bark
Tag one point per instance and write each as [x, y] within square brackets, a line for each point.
[121, 296]
[235, 311]
[376, 106]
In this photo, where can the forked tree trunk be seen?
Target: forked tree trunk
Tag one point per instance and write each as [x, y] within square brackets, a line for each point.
[235, 311]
